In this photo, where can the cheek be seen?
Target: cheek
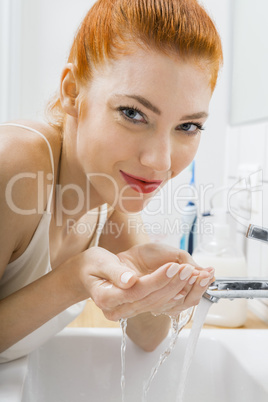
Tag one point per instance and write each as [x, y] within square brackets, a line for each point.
[184, 154]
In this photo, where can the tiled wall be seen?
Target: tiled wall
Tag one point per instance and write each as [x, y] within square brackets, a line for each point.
[247, 147]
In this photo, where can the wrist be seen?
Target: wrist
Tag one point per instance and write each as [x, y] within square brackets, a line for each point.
[73, 277]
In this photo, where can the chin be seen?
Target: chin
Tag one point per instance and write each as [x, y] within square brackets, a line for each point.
[132, 206]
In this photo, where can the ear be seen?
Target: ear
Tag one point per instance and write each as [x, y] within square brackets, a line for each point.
[69, 90]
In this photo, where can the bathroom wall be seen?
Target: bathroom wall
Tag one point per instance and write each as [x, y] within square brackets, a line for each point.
[47, 31]
[10, 46]
[247, 134]
[35, 36]
[247, 148]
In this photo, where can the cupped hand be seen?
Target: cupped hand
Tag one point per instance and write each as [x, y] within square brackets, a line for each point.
[156, 278]
[186, 282]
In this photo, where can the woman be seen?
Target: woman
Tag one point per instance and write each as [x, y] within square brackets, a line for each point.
[132, 103]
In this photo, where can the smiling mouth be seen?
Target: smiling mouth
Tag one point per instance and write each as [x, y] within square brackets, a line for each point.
[140, 184]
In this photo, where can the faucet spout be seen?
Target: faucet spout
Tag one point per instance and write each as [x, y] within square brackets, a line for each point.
[257, 233]
[241, 288]
[237, 288]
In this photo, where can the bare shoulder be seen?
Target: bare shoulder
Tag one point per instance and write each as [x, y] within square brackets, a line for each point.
[25, 164]
[29, 150]
[25, 174]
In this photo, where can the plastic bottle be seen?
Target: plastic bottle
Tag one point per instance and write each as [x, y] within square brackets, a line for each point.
[219, 251]
[188, 218]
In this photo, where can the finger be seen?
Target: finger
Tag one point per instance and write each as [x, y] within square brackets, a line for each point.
[182, 302]
[161, 296]
[204, 278]
[109, 267]
[150, 291]
[200, 286]
[166, 279]
[185, 257]
[188, 286]
[210, 270]
[113, 297]
[145, 292]
[187, 297]
[177, 290]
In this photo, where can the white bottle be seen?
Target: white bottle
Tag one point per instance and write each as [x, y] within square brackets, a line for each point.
[219, 252]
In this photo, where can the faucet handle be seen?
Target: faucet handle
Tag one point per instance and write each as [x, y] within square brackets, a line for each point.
[257, 233]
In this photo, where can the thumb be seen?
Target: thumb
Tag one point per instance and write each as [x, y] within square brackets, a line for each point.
[109, 267]
[119, 273]
[125, 277]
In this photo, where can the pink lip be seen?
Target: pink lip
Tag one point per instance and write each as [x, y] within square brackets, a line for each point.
[140, 184]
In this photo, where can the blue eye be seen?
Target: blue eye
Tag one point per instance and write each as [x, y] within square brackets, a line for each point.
[133, 114]
[191, 128]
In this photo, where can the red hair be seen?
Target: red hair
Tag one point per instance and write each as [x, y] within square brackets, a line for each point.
[112, 27]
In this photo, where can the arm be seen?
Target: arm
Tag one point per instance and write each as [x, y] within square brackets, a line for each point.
[28, 308]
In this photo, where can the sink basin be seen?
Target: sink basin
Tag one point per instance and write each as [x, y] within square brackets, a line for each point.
[85, 365]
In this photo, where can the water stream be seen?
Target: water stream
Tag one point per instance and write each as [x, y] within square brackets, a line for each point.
[177, 323]
[123, 325]
[199, 319]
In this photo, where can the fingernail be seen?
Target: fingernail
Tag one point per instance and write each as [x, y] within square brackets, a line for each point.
[212, 274]
[186, 272]
[210, 269]
[204, 282]
[125, 277]
[192, 280]
[172, 270]
[178, 297]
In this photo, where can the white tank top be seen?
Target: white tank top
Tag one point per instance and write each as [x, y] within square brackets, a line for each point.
[31, 265]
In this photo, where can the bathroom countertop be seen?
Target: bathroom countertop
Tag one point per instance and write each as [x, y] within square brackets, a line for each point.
[92, 316]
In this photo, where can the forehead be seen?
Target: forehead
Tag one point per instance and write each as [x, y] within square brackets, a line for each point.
[155, 76]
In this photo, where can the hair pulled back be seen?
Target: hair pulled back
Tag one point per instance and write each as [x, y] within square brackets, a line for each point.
[113, 27]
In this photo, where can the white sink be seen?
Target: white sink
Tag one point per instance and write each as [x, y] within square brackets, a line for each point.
[85, 365]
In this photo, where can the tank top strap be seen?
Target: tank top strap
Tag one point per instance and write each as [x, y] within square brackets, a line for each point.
[48, 209]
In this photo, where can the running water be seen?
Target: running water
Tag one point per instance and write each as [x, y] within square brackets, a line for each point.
[199, 319]
[123, 325]
[177, 324]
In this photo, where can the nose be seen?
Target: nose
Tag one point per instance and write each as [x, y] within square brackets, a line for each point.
[156, 153]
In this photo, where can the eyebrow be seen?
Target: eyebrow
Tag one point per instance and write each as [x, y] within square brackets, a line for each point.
[143, 101]
[194, 116]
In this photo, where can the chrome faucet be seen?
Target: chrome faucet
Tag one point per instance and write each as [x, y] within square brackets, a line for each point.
[237, 288]
[257, 233]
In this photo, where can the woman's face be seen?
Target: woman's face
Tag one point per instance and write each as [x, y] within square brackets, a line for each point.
[140, 125]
